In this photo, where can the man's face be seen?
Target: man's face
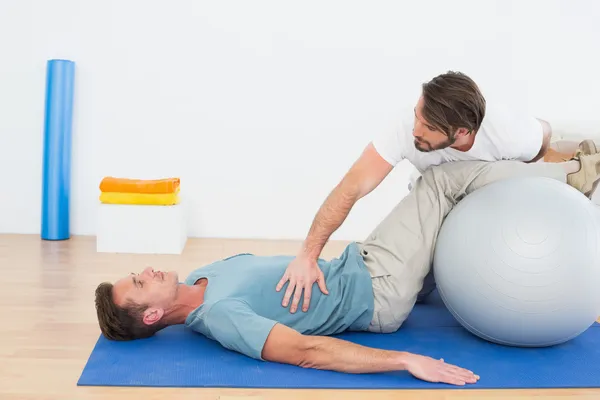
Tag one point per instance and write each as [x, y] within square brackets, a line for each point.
[156, 289]
[428, 138]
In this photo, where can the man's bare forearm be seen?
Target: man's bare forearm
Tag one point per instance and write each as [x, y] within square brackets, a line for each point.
[339, 355]
[330, 217]
[285, 345]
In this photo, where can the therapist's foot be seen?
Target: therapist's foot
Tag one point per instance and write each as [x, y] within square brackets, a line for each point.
[587, 177]
[588, 147]
[585, 148]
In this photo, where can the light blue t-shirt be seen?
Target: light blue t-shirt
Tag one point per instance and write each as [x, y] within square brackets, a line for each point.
[241, 305]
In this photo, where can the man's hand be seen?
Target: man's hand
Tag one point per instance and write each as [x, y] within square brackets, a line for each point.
[432, 370]
[302, 272]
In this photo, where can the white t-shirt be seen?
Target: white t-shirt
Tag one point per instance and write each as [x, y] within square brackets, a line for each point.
[505, 134]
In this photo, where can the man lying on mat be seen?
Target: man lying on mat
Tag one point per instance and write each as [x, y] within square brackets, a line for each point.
[373, 285]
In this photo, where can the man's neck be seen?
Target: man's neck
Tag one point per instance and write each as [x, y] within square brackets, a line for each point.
[465, 143]
[188, 299]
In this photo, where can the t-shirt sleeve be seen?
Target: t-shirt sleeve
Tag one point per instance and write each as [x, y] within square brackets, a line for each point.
[533, 137]
[527, 136]
[237, 327]
[390, 144]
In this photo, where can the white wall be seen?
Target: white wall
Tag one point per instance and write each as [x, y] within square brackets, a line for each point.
[267, 102]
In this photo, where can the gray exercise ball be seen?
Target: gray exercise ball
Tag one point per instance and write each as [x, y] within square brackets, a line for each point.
[517, 262]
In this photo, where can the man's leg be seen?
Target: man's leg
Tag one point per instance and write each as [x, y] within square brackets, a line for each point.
[399, 252]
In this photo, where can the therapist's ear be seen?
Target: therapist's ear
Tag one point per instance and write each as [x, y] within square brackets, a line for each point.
[461, 132]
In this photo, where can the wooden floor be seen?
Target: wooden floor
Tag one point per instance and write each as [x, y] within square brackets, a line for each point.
[48, 324]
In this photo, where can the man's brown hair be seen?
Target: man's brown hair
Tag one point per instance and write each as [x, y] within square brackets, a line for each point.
[451, 101]
[121, 323]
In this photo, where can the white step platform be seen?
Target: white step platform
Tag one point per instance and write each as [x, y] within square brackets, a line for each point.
[141, 229]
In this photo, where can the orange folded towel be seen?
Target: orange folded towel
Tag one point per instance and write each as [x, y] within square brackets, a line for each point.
[150, 186]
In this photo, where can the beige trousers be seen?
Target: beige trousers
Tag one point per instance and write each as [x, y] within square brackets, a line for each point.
[399, 252]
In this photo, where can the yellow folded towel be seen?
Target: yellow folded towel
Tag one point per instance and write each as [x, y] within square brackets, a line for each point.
[155, 199]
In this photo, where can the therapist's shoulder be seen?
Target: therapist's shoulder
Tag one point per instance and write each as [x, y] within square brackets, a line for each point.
[514, 130]
[393, 142]
[509, 121]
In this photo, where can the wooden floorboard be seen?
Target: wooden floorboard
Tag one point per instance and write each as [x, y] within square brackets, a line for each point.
[49, 325]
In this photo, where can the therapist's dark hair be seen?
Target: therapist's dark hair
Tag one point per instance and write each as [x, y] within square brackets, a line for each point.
[452, 101]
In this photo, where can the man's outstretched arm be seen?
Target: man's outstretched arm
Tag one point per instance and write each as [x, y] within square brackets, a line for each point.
[361, 179]
[285, 345]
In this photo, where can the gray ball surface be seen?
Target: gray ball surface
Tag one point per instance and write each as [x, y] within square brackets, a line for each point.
[517, 262]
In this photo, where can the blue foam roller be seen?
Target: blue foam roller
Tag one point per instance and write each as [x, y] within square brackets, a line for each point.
[56, 191]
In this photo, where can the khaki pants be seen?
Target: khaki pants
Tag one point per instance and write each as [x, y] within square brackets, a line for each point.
[399, 252]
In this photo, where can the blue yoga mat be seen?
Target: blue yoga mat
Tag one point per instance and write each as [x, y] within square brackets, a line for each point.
[177, 357]
[56, 190]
